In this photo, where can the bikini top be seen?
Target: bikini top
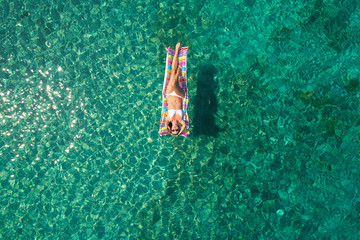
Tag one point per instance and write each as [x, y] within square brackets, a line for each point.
[172, 113]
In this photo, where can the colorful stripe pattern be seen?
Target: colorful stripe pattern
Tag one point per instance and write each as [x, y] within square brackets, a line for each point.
[182, 83]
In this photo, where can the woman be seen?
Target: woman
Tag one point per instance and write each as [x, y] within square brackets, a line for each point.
[175, 95]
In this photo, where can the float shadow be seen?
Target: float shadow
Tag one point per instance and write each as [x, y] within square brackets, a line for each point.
[205, 102]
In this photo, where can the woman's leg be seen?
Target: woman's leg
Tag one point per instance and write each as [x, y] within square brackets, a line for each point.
[175, 65]
[175, 71]
[175, 62]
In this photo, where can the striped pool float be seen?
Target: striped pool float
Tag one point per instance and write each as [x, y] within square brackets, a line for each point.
[182, 83]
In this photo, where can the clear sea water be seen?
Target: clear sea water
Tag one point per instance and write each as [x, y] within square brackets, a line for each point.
[274, 118]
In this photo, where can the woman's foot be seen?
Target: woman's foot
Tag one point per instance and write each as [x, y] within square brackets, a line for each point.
[177, 47]
[175, 63]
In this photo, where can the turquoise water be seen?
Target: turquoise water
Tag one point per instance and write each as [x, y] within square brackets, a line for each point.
[274, 114]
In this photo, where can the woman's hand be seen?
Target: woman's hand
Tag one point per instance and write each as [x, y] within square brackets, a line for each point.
[182, 127]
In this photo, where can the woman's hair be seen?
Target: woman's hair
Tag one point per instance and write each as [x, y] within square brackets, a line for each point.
[170, 126]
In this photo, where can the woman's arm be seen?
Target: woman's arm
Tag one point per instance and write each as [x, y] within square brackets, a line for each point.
[183, 125]
[167, 125]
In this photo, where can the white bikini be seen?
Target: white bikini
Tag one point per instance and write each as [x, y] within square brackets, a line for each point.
[172, 112]
[173, 93]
